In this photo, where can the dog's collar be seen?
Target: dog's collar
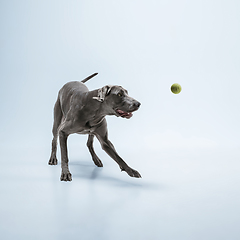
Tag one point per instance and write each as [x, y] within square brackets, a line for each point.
[100, 96]
[103, 92]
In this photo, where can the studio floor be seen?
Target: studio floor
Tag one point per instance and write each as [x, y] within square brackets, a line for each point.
[182, 195]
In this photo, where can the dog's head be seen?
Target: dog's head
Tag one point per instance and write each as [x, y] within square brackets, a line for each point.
[117, 101]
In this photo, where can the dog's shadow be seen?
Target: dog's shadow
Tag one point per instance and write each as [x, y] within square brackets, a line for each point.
[87, 170]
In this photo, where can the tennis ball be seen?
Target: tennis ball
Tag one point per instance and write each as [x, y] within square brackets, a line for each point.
[176, 88]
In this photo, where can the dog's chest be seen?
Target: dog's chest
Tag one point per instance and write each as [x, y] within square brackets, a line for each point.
[90, 126]
[85, 128]
[84, 131]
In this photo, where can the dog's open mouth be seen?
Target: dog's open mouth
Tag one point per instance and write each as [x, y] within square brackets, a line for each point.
[124, 114]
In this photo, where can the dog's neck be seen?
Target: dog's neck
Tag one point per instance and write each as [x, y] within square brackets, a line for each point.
[97, 108]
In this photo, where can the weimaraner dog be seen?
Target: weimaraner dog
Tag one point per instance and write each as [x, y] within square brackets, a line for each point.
[78, 110]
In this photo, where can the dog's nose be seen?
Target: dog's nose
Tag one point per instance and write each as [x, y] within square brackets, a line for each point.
[136, 104]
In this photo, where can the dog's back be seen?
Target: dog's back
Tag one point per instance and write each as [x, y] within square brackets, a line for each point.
[68, 91]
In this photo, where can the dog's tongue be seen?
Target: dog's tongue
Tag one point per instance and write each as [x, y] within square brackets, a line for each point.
[129, 115]
[124, 114]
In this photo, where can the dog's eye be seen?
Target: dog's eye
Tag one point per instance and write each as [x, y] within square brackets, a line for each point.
[120, 94]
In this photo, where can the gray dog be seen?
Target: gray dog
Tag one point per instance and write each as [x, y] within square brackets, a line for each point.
[78, 110]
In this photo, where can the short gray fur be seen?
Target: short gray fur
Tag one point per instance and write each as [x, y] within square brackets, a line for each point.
[78, 110]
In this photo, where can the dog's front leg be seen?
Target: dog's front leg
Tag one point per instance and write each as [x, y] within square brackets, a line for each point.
[102, 135]
[66, 175]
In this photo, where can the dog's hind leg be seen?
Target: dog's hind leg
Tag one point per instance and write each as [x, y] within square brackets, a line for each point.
[95, 158]
[57, 121]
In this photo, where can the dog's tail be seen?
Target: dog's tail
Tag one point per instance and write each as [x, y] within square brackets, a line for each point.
[91, 76]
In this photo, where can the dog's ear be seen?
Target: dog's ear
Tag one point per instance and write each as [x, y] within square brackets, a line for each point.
[103, 92]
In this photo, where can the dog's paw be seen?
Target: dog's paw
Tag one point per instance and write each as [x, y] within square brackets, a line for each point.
[66, 176]
[133, 173]
[53, 161]
[97, 162]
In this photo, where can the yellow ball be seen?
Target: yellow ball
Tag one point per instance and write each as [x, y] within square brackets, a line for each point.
[176, 88]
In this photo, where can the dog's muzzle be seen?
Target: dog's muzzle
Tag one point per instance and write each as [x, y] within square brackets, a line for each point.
[128, 114]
